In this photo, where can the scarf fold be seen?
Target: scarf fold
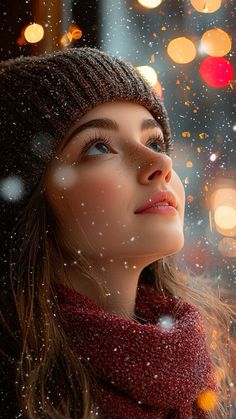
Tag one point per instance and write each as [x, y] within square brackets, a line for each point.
[155, 368]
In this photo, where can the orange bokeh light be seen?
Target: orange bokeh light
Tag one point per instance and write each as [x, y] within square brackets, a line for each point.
[216, 42]
[181, 50]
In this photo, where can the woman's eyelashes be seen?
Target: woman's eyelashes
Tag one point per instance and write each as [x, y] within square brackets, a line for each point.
[99, 141]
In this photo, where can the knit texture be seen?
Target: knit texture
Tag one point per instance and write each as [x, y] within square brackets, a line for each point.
[43, 96]
[153, 367]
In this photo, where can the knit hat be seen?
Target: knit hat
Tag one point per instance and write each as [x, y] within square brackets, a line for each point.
[41, 97]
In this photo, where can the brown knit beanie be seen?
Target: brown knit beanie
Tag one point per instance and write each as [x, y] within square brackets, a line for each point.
[41, 97]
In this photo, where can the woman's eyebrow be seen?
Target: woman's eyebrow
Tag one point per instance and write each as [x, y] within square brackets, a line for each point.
[109, 124]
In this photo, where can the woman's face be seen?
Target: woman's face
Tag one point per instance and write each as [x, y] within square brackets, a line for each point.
[96, 192]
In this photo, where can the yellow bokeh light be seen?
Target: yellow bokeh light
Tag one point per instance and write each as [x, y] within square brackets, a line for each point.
[34, 33]
[225, 217]
[206, 6]
[149, 73]
[150, 4]
[181, 50]
[216, 42]
[186, 134]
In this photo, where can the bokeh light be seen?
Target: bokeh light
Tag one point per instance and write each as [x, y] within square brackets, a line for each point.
[148, 73]
[11, 188]
[64, 176]
[206, 6]
[150, 4]
[216, 71]
[207, 400]
[216, 42]
[73, 34]
[34, 33]
[223, 206]
[181, 50]
[225, 217]
[166, 322]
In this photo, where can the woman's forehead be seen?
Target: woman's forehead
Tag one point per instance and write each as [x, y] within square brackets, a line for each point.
[116, 116]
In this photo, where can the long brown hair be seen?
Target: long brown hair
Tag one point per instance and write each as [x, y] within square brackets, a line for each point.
[50, 379]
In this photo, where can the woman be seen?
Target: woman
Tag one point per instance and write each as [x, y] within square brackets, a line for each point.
[95, 318]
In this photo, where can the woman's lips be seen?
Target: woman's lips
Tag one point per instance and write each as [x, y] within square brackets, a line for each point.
[161, 209]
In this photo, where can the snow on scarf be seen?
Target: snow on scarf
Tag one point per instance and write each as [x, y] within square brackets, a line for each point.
[154, 367]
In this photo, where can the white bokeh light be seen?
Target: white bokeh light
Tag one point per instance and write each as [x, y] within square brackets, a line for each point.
[64, 176]
[11, 188]
[166, 322]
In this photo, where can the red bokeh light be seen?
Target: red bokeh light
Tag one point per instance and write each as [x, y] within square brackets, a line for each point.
[216, 71]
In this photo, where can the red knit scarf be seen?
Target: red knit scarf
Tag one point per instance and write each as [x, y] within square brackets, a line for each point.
[155, 368]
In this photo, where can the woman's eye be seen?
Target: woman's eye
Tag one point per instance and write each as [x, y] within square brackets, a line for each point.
[103, 144]
[99, 146]
[160, 144]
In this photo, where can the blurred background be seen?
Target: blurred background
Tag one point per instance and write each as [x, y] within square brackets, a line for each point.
[186, 49]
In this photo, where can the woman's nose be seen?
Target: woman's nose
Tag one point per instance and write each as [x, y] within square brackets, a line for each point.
[150, 167]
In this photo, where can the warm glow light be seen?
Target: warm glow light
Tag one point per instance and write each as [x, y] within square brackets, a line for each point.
[216, 71]
[207, 400]
[34, 33]
[206, 6]
[149, 4]
[223, 206]
[149, 73]
[66, 39]
[181, 50]
[225, 217]
[216, 42]
[223, 196]
[73, 34]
